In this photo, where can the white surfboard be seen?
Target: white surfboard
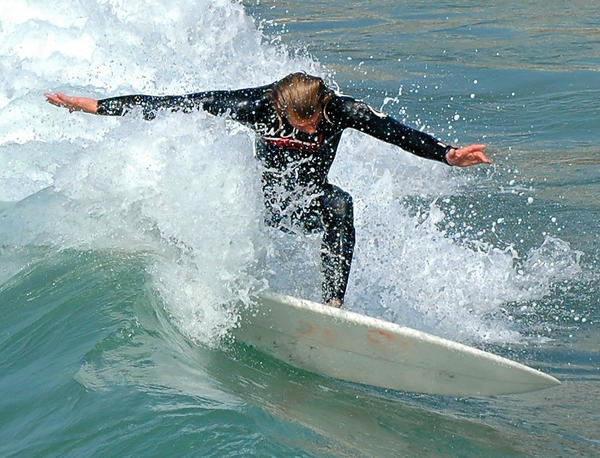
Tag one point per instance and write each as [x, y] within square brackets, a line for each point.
[358, 348]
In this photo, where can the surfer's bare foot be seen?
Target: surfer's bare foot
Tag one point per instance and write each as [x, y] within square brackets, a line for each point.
[337, 303]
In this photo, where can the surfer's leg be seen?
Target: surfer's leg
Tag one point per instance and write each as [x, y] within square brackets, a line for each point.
[338, 243]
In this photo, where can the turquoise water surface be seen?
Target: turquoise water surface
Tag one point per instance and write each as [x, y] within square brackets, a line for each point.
[126, 246]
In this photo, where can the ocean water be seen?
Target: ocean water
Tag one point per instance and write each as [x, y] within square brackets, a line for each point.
[126, 246]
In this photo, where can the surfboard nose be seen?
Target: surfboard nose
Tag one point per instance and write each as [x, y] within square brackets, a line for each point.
[550, 381]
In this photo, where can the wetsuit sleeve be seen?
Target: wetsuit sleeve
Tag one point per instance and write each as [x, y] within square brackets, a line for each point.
[243, 105]
[348, 112]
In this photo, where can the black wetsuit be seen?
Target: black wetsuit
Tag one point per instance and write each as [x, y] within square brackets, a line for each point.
[296, 164]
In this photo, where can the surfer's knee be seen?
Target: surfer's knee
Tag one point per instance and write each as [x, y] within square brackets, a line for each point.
[339, 206]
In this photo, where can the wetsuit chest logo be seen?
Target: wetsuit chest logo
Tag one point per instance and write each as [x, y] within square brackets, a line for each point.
[291, 143]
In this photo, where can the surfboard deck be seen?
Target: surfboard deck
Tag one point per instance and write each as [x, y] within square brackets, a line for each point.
[358, 348]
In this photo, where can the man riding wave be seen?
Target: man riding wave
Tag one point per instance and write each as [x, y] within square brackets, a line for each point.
[298, 122]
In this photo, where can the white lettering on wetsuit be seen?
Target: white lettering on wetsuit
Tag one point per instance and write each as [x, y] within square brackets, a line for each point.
[281, 139]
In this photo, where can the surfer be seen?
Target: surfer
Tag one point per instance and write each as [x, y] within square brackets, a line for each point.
[298, 122]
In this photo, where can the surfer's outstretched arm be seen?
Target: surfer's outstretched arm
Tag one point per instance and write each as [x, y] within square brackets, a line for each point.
[243, 105]
[349, 112]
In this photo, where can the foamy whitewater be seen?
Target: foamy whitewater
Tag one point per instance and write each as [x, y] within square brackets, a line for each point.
[183, 190]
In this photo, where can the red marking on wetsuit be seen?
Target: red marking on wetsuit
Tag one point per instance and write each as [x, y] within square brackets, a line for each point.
[374, 336]
[295, 144]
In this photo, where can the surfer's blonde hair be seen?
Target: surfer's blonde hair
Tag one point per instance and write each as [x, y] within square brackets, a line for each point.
[300, 96]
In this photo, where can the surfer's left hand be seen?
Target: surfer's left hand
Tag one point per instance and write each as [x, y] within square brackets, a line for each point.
[467, 156]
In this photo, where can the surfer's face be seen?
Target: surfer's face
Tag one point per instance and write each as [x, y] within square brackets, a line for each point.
[308, 125]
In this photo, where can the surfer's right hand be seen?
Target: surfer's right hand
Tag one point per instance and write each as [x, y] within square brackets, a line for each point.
[73, 103]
